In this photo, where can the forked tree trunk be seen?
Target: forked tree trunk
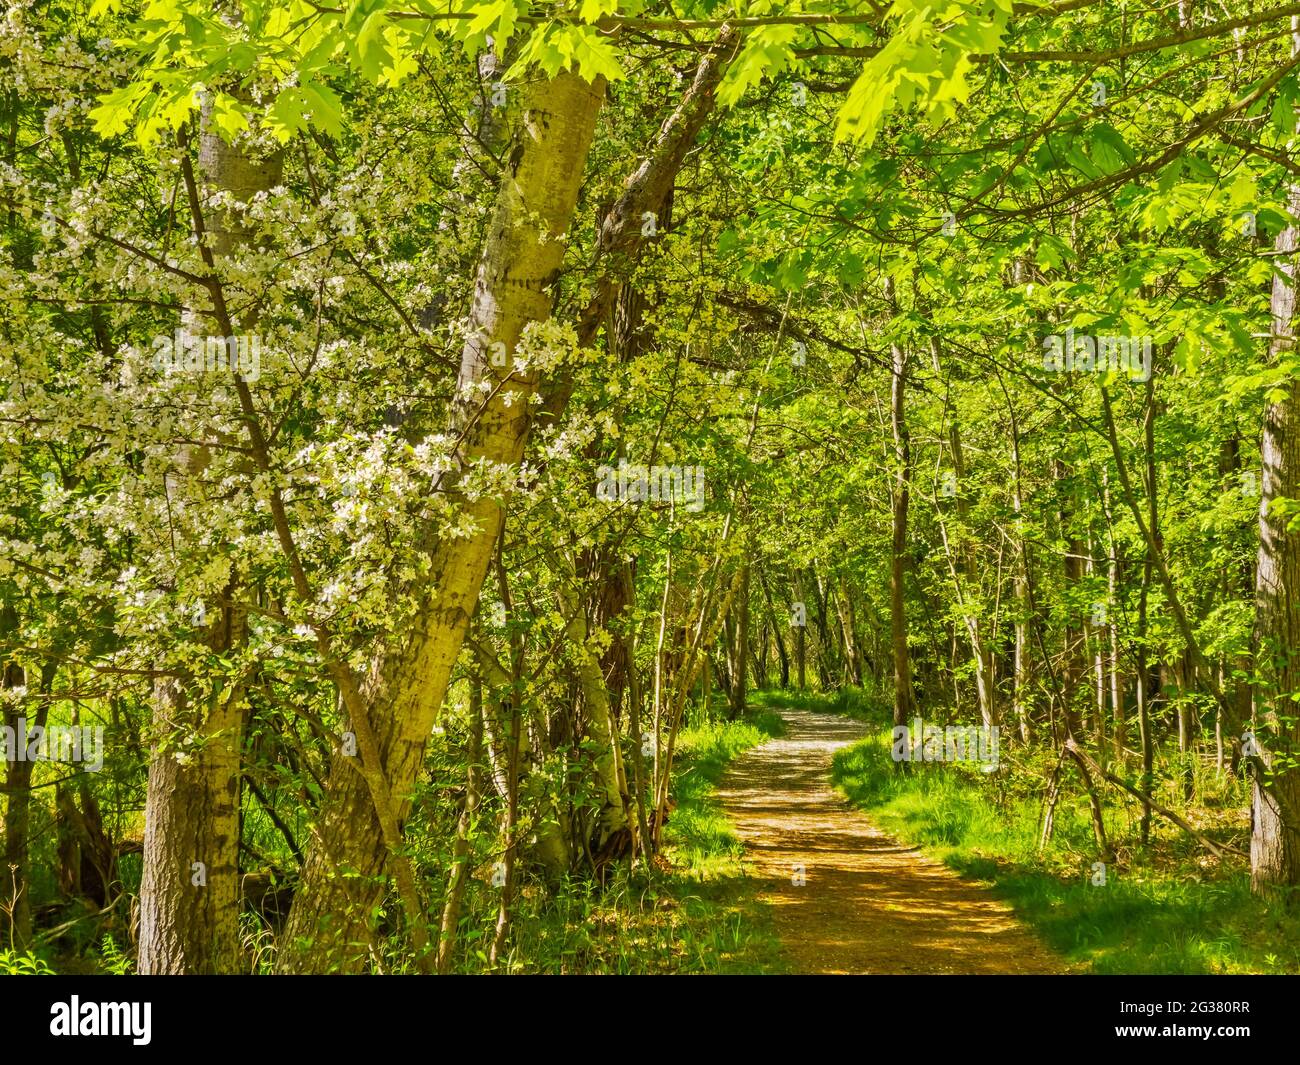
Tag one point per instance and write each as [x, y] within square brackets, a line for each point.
[607, 759]
[849, 629]
[329, 928]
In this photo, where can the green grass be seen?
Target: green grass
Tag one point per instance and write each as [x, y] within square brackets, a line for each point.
[1168, 910]
[849, 701]
[731, 928]
[698, 835]
[696, 913]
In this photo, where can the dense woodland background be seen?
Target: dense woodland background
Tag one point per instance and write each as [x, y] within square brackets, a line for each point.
[386, 686]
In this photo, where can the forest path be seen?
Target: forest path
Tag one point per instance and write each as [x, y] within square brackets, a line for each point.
[869, 904]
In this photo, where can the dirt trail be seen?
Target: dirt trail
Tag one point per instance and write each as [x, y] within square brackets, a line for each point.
[869, 904]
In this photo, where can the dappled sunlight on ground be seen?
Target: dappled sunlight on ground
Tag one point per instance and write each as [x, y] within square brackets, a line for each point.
[867, 904]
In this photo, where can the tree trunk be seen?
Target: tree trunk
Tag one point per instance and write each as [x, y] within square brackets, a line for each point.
[740, 669]
[550, 847]
[607, 760]
[1097, 640]
[342, 878]
[1072, 669]
[329, 928]
[801, 637]
[1275, 843]
[963, 563]
[462, 848]
[189, 887]
[1118, 711]
[1022, 670]
[634, 703]
[848, 626]
[901, 496]
[15, 885]
[776, 622]
[1142, 686]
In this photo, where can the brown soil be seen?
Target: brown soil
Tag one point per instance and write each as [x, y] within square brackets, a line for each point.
[869, 904]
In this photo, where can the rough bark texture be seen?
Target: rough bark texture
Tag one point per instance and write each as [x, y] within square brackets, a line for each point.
[1023, 667]
[190, 923]
[602, 734]
[1274, 844]
[189, 917]
[343, 875]
[15, 889]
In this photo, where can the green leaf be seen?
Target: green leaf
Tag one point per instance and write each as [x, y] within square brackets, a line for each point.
[581, 48]
[1052, 252]
[228, 115]
[372, 52]
[595, 56]
[594, 10]
[325, 107]
[286, 117]
[116, 110]
[1109, 149]
[767, 52]
[497, 18]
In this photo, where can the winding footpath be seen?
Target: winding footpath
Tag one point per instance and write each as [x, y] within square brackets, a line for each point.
[868, 904]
